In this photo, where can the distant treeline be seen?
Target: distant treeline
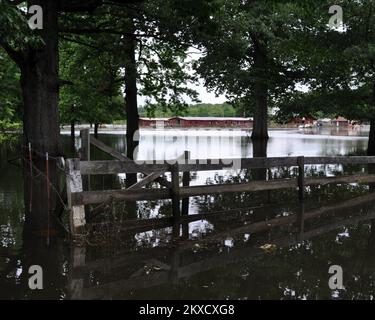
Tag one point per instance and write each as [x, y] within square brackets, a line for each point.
[196, 110]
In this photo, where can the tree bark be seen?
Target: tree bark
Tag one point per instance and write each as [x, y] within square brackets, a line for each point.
[371, 138]
[40, 92]
[371, 141]
[131, 103]
[260, 126]
[72, 134]
[96, 130]
[72, 130]
[40, 86]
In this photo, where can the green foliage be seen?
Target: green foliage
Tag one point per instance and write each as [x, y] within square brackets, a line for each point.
[163, 70]
[228, 64]
[10, 103]
[339, 64]
[91, 91]
[197, 110]
[15, 33]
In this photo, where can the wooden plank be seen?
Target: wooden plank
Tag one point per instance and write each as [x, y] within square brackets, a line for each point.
[151, 177]
[129, 166]
[155, 176]
[176, 210]
[113, 152]
[185, 183]
[240, 187]
[340, 160]
[74, 187]
[85, 154]
[85, 145]
[78, 261]
[115, 166]
[95, 197]
[357, 178]
[244, 163]
[119, 156]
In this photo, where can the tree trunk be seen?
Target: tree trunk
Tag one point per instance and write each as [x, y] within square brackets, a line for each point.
[40, 86]
[131, 103]
[260, 127]
[40, 92]
[371, 138]
[259, 151]
[72, 129]
[371, 141]
[73, 134]
[96, 129]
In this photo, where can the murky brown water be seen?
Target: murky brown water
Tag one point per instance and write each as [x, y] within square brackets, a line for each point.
[252, 246]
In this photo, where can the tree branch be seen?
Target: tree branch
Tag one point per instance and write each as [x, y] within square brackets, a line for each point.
[15, 55]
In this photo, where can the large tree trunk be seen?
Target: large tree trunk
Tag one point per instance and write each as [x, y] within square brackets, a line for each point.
[96, 130]
[131, 103]
[260, 127]
[72, 135]
[40, 86]
[371, 138]
[371, 141]
[259, 151]
[72, 130]
[40, 92]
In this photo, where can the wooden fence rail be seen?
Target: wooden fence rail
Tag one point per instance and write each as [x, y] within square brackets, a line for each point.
[78, 198]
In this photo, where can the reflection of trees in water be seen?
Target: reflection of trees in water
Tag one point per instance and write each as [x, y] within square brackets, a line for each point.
[299, 271]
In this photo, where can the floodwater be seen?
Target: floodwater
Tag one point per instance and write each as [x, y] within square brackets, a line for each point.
[259, 245]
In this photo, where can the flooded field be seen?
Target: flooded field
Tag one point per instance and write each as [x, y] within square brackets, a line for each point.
[259, 245]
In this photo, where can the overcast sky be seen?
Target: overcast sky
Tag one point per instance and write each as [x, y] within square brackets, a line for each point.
[204, 96]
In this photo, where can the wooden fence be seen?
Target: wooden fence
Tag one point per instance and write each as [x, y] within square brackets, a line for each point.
[78, 198]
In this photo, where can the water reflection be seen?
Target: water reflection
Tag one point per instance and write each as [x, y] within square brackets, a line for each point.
[233, 263]
[238, 246]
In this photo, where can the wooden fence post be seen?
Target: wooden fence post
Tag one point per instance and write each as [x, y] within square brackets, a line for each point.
[74, 184]
[85, 145]
[186, 183]
[301, 177]
[78, 260]
[175, 190]
[85, 155]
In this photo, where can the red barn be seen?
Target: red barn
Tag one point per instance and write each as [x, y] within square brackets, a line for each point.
[197, 122]
[153, 122]
[207, 122]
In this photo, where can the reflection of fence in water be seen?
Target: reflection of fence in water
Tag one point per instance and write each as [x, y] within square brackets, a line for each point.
[180, 264]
